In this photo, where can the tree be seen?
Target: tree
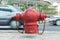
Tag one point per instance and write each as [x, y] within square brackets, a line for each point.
[10, 2]
[23, 6]
[0, 1]
[44, 7]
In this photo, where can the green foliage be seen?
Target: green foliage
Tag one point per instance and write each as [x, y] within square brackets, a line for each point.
[23, 6]
[0, 1]
[10, 2]
[40, 7]
[44, 7]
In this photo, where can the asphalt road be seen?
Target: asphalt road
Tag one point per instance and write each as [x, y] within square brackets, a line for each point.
[49, 27]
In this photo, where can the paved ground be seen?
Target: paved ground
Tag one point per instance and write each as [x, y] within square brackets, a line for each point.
[51, 33]
[50, 27]
[14, 35]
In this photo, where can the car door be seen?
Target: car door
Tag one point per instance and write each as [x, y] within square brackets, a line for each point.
[5, 15]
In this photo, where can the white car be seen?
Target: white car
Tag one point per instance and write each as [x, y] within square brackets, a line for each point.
[6, 14]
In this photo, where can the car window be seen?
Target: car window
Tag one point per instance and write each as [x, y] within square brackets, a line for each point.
[6, 10]
[51, 17]
[54, 17]
[18, 9]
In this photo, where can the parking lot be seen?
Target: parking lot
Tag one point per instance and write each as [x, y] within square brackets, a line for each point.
[51, 33]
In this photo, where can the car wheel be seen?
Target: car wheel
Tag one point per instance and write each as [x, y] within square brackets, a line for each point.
[13, 24]
[58, 22]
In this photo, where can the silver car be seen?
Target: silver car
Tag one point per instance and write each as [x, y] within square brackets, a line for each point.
[54, 20]
[6, 14]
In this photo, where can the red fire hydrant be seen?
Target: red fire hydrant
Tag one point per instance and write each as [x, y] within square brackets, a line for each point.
[30, 18]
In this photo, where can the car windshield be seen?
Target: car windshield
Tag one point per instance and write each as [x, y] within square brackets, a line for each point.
[54, 17]
[51, 17]
[18, 9]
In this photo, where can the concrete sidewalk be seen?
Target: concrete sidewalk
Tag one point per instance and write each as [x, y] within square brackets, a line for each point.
[14, 35]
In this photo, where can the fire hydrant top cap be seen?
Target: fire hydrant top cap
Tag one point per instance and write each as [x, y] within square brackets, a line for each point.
[30, 15]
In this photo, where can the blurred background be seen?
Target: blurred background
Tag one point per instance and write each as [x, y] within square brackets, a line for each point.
[50, 7]
[47, 6]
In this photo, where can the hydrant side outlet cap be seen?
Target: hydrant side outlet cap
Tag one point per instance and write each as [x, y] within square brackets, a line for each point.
[42, 16]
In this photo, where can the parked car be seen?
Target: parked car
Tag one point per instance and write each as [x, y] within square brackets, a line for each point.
[6, 14]
[54, 20]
